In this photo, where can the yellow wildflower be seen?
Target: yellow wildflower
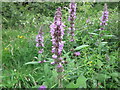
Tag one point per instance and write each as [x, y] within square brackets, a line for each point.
[20, 36]
[90, 62]
[6, 49]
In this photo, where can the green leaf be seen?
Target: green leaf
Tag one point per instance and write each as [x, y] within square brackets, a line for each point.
[39, 57]
[99, 63]
[114, 74]
[94, 33]
[103, 43]
[71, 85]
[34, 62]
[109, 36]
[46, 69]
[81, 82]
[54, 77]
[80, 47]
[50, 59]
[102, 77]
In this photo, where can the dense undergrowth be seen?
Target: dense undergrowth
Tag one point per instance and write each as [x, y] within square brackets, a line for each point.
[96, 67]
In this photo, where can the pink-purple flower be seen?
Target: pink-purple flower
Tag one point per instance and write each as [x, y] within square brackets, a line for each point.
[71, 18]
[42, 87]
[42, 61]
[57, 33]
[60, 68]
[104, 17]
[76, 53]
[40, 40]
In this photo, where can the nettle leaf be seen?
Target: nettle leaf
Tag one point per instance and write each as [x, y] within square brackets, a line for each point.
[34, 62]
[71, 85]
[80, 47]
[81, 82]
[115, 74]
[102, 77]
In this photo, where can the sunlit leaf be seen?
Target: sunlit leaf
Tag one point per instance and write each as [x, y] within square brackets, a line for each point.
[109, 36]
[94, 33]
[34, 62]
[103, 43]
[102, 77]
[80, 47]
[71, 85]
[81, 82]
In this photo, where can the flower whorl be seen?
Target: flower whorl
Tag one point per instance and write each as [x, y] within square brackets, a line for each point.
[40, 40]
[57, 32]
[71, 18]
[104, 17]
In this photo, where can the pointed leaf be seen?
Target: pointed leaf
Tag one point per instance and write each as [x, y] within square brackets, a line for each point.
[80, 47]
[81, 82]
[103, 43]
[109, 36]
[35, 62]
[71, 85]
[94, 33]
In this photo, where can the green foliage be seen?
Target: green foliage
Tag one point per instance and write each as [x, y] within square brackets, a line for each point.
[96, 67]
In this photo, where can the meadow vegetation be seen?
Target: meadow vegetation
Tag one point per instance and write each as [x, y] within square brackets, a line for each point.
[97, 66]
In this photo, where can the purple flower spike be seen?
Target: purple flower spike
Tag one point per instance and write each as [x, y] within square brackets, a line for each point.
[41, 51]
[42, 87]
[42, 61]
[72, 40]
[104, 17]
[52, 63]
[60, 68]
[71, 18]
[54, 56]
[40, 40]
[76, 53]
[57, 33]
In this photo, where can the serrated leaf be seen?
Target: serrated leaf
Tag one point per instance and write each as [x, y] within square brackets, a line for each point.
[102, 77]
[35, 62]
[114, 74]
[81, 82]
[80, 47]
[71, 85]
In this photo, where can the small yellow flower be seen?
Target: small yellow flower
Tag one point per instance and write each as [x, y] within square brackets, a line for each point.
[6, 49]
[90, 62]
[20, 36]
